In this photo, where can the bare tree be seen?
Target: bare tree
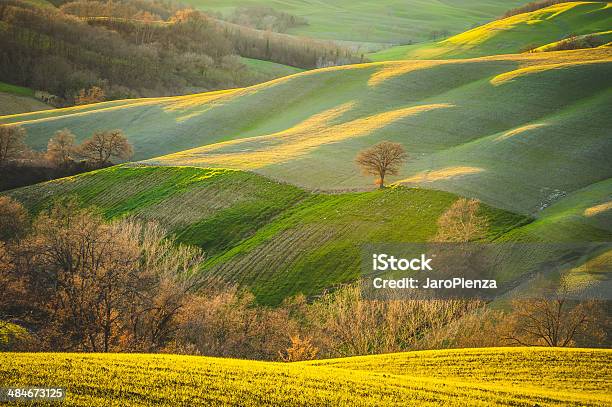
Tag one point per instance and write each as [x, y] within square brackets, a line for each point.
[60, 148]
[552, 321]
[12, 144]
[102, 287]
[462, 223]
[382, 159]
[102, 146]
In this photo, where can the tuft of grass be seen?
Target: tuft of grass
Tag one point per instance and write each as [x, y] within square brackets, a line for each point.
[470, 377]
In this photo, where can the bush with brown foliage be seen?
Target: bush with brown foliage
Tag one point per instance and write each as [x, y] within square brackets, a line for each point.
[61, 148]
[555, 320]
[300, 349]
[97, 286]
[462, 222]
[94, 94]
[13, 219]
[12, 143]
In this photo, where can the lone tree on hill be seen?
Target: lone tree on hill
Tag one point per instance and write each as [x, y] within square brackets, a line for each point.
[382, 159]
[103, 145]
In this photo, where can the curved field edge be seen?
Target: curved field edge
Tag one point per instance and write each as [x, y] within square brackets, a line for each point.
[517, 33]
[475, 377]
[365, 23]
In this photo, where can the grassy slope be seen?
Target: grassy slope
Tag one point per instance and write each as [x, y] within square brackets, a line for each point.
[467, 124]
[280, 240]
[513, 34]
[13, 104]
[383, 21]
[269, 69]
[17, 99]
[603, 37]
[15, 90]
[275, 238]
[475, 377]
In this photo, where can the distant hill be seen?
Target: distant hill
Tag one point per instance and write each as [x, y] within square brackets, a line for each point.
[382, 21]
[514, 34]
[470, 377]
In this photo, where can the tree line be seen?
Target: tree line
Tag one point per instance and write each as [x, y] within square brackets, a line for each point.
[263, 18]
[22, 166]
[74, 282]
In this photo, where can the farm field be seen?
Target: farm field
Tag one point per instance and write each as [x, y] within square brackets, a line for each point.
[264, 179]
[13, 104]
[17, 99]
[385, 21]
[280, 240]
[511, 35]
[277, 239]
[474, 377]
[466, 124]
[269, 69]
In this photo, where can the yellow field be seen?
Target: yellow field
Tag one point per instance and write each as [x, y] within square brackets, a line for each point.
[475, 377]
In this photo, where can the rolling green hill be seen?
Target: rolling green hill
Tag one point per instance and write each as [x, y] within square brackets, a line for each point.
[474, 377]
[280, 240]
[275, 238]
[383, 21]
[516, 131]
[513, 34]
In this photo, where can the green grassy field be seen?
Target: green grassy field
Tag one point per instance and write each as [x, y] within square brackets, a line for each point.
[474, 377]
[511, 35]
[17, 99]
[275, 238]
[500, 128]
[14, 104]
[279, 240]
[15, 90]
[384, 21]
[269, 69]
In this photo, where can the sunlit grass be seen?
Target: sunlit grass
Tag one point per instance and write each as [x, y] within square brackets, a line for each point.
[257, 152]
[476, 377]
[537, 29]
